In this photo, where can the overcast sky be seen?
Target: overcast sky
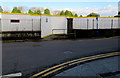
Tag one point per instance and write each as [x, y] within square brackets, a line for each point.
[82, 7]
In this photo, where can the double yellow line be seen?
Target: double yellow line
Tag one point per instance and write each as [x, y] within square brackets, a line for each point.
[59, 67]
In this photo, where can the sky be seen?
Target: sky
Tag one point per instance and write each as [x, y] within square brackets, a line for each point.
[59, 0]
[82, 7]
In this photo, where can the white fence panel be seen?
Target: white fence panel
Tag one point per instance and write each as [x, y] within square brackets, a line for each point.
[104, 23]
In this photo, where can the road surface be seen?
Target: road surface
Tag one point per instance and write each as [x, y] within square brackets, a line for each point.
[32, 57]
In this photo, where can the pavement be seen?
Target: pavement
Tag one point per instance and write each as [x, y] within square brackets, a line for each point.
[92, 69]
[32, 57]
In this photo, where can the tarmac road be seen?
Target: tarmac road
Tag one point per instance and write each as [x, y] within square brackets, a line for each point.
[29, 57]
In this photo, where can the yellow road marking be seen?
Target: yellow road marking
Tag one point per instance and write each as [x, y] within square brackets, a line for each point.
[92, 59]
[81, 60]
[75, 63]
[61, 65]
[53, 71]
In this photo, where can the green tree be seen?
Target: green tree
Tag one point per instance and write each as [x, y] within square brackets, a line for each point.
[18, 11]
[76, 15]
[30, 11]
[35, 12]
[47, 11]
[68, 13]
[62, 13]
[71, 14]
[38, 12]
[1, 10]
[15, 10]
[93, 15]
[80, 16]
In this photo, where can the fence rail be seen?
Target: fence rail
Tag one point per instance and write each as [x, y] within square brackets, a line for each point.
[64, 30]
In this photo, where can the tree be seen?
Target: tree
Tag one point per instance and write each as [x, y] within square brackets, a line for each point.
[47, 11]
[15, 10]
[62, 13]
[93, 15]
[68, 13]
[1, 10]
[37, 12]
[81, 16]
[75, 15]
[71, 14]
[30, 11]
[18, 11]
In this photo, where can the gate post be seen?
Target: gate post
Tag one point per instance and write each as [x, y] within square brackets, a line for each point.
[97, 30]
